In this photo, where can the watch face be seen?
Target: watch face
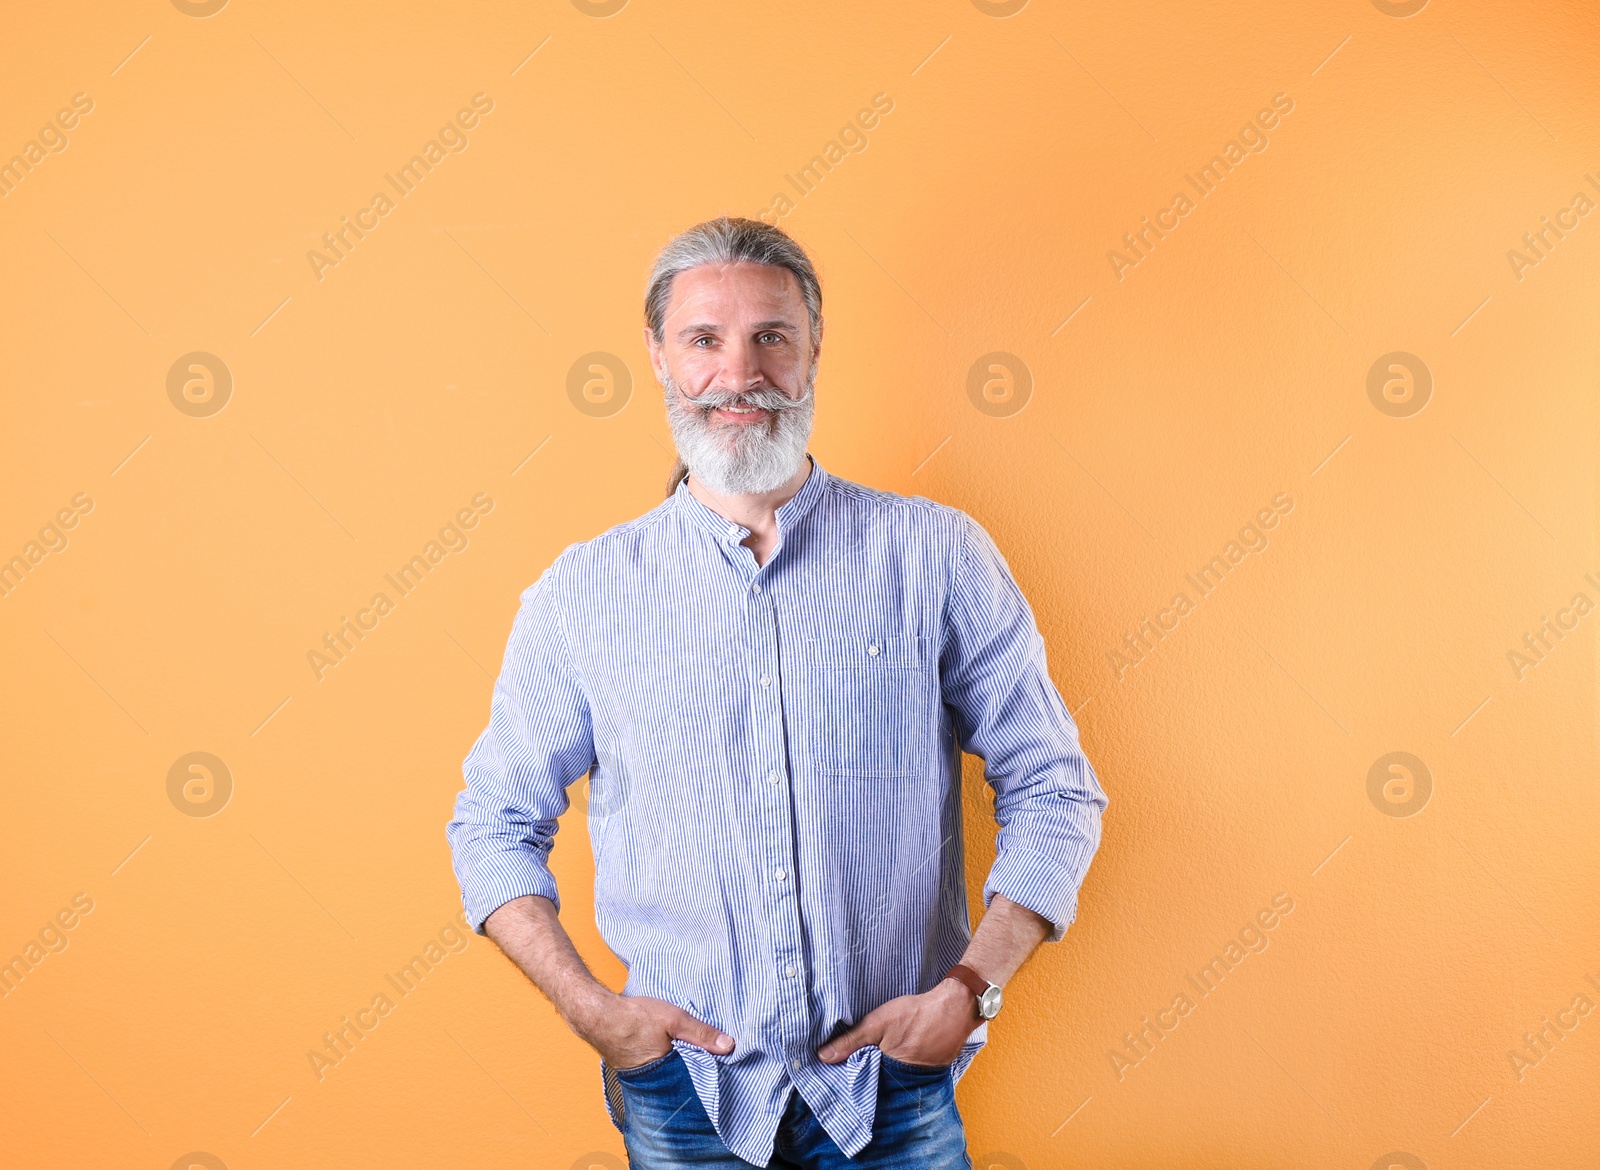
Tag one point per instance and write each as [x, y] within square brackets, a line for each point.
[989, 1003]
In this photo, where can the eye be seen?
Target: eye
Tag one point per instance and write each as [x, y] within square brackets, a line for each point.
[702, 337]
[775, 338]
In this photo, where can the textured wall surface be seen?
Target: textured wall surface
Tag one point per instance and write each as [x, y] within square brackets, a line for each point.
[1304, 293]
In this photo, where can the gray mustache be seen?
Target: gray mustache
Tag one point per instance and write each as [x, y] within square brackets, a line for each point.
[764, 399]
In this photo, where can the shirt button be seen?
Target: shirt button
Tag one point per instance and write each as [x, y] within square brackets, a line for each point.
[765, 681]
[795, 1063]
[773, 777]
[778, 873]
[755, 589]
[789, 970]
[873, 649]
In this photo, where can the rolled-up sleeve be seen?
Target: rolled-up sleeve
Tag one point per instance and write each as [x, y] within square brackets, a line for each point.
[1006, 710]
[539, 740]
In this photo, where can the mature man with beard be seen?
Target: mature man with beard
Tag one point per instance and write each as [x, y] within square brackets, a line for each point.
[769, 679]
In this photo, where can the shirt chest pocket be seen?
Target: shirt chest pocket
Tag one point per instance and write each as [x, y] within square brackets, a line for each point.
[868, 701]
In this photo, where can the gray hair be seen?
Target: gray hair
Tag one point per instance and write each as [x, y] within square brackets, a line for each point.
[727, 240]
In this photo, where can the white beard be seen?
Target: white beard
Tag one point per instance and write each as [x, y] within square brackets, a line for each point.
[741, 459]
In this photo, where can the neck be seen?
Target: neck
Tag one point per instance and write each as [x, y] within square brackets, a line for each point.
[756, 511]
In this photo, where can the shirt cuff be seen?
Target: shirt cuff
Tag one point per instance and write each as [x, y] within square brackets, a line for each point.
[1033, 880]
[498, 878]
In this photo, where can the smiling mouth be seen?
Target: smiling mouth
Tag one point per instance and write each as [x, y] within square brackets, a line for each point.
[742, 413]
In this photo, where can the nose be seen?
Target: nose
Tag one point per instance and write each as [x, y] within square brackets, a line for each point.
[741, 364]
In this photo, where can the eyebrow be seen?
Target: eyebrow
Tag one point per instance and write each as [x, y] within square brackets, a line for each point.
[707, 327]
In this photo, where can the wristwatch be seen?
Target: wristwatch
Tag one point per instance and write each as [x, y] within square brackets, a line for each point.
[989, 995]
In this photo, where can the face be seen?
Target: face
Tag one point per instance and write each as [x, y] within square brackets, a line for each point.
[738, 363]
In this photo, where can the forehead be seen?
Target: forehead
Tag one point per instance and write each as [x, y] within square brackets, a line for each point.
[732, 291]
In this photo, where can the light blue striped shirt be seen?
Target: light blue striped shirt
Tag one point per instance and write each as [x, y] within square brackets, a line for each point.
[774, 761]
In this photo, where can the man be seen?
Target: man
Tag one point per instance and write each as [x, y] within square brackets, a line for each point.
[769, 679]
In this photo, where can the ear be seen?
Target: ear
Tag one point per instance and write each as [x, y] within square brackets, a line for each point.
[654, 350]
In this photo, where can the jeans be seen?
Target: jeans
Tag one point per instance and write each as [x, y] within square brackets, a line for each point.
[916, 1124]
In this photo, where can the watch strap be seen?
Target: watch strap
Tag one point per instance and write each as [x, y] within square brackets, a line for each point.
[976, 983]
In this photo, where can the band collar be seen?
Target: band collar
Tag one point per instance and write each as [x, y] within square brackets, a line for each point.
[789, 512]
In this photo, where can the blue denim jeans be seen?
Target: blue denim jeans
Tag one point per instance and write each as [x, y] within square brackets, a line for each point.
[916, 1127]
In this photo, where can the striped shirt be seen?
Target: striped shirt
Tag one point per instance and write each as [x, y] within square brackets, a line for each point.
[774, 762]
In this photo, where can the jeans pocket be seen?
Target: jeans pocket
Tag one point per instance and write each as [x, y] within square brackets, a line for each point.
[926, 1070]
[645, 1069]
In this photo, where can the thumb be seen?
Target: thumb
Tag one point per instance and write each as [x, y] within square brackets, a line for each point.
[702, 1034]
[843, 1045]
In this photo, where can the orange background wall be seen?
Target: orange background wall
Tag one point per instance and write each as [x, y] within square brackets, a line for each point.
[1168, 401]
